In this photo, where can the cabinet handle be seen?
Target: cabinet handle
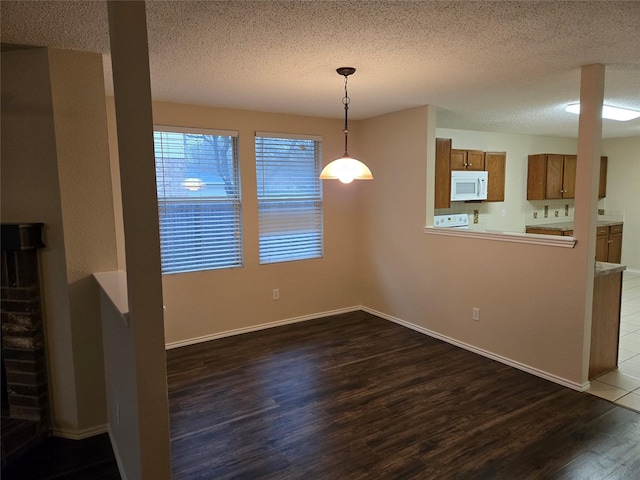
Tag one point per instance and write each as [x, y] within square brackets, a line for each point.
[609, 241]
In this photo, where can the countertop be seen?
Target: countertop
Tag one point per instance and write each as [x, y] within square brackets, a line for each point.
[564, 226]
[604, 268]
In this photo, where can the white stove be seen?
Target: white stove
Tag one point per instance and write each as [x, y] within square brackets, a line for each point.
[457, 220]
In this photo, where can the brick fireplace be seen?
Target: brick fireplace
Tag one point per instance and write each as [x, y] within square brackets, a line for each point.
[25, 396]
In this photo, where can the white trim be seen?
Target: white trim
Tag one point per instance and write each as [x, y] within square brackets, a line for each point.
[114, 286]
[201, 131]
[632, 270]
[262, 326]
[292, 136]
[512, 237]
[116, 453]
[79, 434]
[507, 361]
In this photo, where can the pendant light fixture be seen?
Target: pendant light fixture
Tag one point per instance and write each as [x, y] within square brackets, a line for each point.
[346, 169]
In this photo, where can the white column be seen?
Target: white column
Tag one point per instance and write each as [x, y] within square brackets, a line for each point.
[132, 94]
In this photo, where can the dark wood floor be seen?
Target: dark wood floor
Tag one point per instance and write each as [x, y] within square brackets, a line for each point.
[63, 459]
[355, 396]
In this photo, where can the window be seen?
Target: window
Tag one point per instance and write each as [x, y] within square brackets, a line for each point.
[198, 199]
[289, 197]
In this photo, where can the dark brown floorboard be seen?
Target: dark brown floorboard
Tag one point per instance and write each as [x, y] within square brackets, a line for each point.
[63, 459]
[354, 396]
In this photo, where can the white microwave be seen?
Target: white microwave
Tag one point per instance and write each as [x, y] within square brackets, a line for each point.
[468, 185]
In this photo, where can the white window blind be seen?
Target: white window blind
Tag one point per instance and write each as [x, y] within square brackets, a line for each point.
[289, 197]
[199, 205]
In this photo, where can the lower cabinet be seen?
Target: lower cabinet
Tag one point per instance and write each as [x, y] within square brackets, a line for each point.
[549, 231]
[609, 244]
[608, 240]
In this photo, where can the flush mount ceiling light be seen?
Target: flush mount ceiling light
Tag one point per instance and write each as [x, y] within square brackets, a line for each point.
[346, 169]
[609, 112]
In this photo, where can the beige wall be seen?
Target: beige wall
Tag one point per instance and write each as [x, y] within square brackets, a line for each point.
[623, 192]
[531, 305]
[203, 304]
[55, 169]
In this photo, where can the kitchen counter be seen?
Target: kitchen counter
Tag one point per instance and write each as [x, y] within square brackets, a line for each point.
[566, 226]
[604, 268]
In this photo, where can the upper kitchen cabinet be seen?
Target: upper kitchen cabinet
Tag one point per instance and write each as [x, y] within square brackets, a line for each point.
[551, 176]
[495, 164]
[467, 160]
[442, 194]
[602, 186]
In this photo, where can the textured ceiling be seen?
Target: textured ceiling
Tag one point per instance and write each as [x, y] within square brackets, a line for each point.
[497, 66]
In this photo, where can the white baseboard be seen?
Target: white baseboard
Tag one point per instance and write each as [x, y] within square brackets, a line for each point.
[507, 361]
[78, 434]
[632, 270]
[116, 453]
[485, 353]
[255, 328]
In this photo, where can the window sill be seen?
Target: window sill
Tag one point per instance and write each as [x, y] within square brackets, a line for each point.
[511, 237]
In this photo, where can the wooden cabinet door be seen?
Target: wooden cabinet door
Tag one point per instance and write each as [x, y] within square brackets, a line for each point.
[475, 160]
[536, 177]
[458, 159]
[554, 183]
[569, 176]
[442, 193]
[543, 231]
[495, 164]
[614, 254]
[602, 185]
[602, 244]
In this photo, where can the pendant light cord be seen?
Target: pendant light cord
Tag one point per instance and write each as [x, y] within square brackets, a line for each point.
[345, 102]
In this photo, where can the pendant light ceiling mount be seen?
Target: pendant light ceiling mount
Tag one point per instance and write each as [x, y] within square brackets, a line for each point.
[346, 169]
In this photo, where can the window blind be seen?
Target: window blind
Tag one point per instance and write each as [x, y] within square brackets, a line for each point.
[289, 197]
[197, 178]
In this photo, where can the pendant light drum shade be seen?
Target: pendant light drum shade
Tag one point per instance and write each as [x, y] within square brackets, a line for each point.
[346, 169]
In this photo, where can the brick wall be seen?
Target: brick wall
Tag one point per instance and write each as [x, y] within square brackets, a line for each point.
[23, 345]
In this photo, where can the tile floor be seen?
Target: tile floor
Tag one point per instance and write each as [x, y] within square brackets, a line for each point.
[623, 385]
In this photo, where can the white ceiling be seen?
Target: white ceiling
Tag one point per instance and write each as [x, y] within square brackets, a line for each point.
[497, 66]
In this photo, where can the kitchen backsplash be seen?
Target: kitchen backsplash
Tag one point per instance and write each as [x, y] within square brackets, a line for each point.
[549, 211]
[535, 213]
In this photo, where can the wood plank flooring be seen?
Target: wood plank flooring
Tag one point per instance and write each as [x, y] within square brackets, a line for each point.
[357, 397]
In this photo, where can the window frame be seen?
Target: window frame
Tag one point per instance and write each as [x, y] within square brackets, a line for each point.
[210, 254]
[272, 250]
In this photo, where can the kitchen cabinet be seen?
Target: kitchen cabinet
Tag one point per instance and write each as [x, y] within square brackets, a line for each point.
[442, 193]
[549, 231]
[551, 176]
[605, 319]
[602, 184]
[609, 243]
[495, 164]
[448, 159]
[467, 160]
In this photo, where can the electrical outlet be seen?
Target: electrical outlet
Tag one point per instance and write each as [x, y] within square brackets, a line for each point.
[556, 213]
[566, 210]
[535, 214]
[476, 215]
[601, 211]
[476, 314]
[546, 211]
[276, 294]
